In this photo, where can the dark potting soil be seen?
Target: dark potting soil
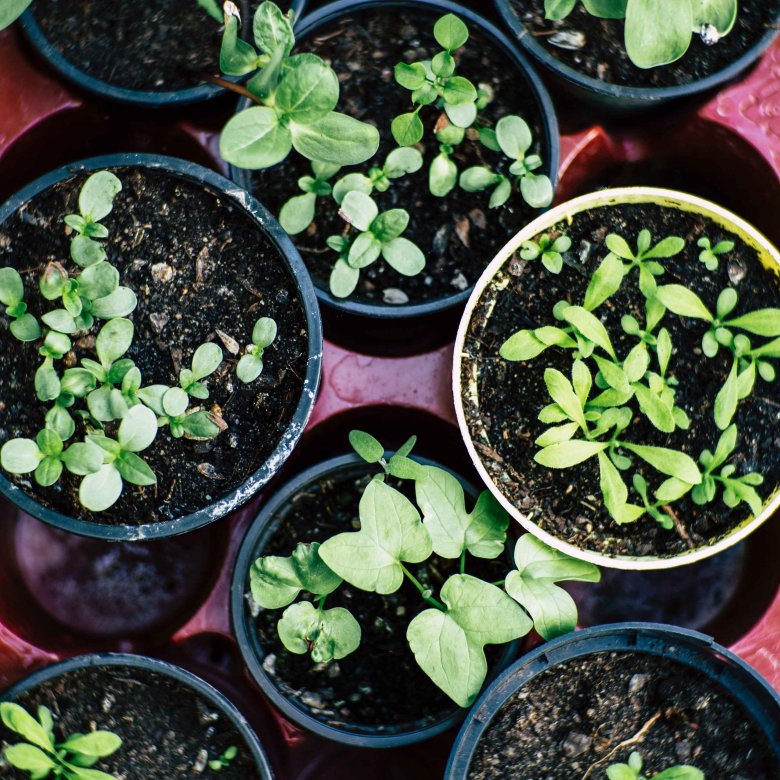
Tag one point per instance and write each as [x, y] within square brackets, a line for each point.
[603, 55]
[198, 266]
[567, 503]
[167, 729]
[380, 684]
[457, 233]
[148, 45]
[570, 719]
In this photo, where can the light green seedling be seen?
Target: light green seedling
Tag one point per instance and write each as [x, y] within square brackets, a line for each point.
[41, 757]
[206, 360]
[24, 326]
[298, 212]
[379, 235]
[251, 364]
[225, 760]
[549, 249]
[710, 255]
[633, 771]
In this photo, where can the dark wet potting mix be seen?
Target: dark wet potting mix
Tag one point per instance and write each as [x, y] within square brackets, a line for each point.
[616, 393]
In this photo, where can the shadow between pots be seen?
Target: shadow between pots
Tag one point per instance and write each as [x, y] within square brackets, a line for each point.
[67, 593]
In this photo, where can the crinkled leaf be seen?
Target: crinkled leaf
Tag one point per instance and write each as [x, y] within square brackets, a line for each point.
[329, 634]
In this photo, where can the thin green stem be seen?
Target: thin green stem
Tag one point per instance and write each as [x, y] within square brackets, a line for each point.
[463, 562]
[424, 592]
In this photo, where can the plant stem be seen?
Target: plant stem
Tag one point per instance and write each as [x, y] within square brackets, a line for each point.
[424, 592]
[463, 562]
[321, 603]
[237, 88]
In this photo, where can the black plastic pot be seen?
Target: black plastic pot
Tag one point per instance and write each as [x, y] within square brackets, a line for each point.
[258, 535]
[124, 661]
[690, 648]
[242, 201]
[387, 326]
[618, 99]
[106, 91]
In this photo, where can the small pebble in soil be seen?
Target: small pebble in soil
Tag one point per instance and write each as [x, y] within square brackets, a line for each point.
[395, 296]
[570, 40]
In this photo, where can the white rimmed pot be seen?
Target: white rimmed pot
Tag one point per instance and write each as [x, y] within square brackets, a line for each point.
[465, 388]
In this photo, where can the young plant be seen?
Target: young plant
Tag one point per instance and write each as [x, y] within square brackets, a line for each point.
[549, 249]
[41, 756]
[11, 10]
[633, 771]
[24, 326]
[513, 138]
[298, 212]
[658, 32]
[710, 255]
[448, 638]
[295, 98]
[225, 760]
[379, 234]
[398, 163]
[251, 364]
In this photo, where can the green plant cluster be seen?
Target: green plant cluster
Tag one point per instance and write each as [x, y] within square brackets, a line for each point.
[593, 410]
[119, 416]
[658, 32]
[633, 771]
[41, 756]
[447, 638]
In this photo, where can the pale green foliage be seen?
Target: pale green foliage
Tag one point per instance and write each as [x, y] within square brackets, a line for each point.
[96, 201]
[11, 10]
[296, 97]
[251, 364]
[225, 760]
[41, 756]
[23, 325]
[633, 771]
[448, 639]
[658, 32]
[710, 254]
[550, 250]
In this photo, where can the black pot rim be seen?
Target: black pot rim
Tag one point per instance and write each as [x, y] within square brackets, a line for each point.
[751, 691]
[107, 91]
[256, 537]
[200, 686]
[550, 141]
[639, 95]
[208, 179]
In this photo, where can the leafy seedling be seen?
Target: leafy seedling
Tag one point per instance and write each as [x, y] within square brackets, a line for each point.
[710, 255]
[96, 201]
[250, 366]
[378, 235]
[549, 249]
[24, 326]
[298, 212]
[224, 760]
[11, 10]
[295, 95]
[633, 771]
[40, 756]
[206, 360]
[398, 163]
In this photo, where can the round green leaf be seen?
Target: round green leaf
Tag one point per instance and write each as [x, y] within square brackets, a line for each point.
[359, 210]
[450, 32]
[20, 456]
[343, 279]
[308, 93]
[407, 129]
[458, 91]
[403, 255]
[119, 303]
[11, 287]
[366, 446]
[97, 195]
[365, 249]
[401, 161]
[336, 138]
[657, 32]
[83, 458]
[85, 252]
[298, 213]
[26, 328]
[200, 425]
[410, 76]
[206, 360]
[264, 332]
[113, 340]
[478, 178]
[102, 489]
[98, 281]
[175, 402]
[135, 470]
[442, 176]
[513, 136]
[254, 139]
[537, 191]
[352, 181]
[138, 429]
[48, 471]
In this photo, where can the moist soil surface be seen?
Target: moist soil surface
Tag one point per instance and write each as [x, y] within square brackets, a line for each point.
[603, 54]
[199, 267]
[567, 503]
[458, 233]
[167, 729]
[379, 686]
[573, 716]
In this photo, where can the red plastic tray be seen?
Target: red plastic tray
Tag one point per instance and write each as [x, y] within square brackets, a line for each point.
[727, 149]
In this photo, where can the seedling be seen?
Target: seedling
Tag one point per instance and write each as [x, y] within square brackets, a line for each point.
[658, 33]
[40, 756]
[633, 771]
[710, 255]
[513, 138]
[217, 764]
[251, 364]
[206, 360]
[447, 639]
[398, 163]
[23, 325]
[379, 234]
[549, 249]
[298, 212]
[295, 98]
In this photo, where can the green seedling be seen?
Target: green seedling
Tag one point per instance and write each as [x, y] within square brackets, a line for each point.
[225, 760]
[549, 249]
[96, 201]
[749, 362]
[251, 364]
[298, 212]
[399, 162]
[206, 360]
[378, 235]
[658, 32]
[295, 98]
[24, 326]
[448, 638]
[633, 771]
[710, 255]
[513, 138]
[40, 756]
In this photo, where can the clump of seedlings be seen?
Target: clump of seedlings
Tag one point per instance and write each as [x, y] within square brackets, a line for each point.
[593, 410]
[448, 637]
[633, 771]
[658, 33]
[224, 760]
[103, 397]
[296, 96]
[41, 756]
